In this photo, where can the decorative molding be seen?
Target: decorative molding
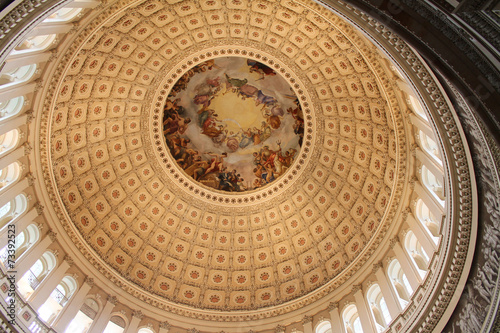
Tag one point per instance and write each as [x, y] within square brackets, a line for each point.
[112, 299]
[52, 235]
[90, 281]
[39, 208]
[377, 266]
[393, 241]
[165, 325]
[356, 288]
[68, 259]
[333, 305]
[463, 238]
[280, 329]
[137, 314]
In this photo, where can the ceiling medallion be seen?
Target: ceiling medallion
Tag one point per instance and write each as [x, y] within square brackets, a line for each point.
[234, 122]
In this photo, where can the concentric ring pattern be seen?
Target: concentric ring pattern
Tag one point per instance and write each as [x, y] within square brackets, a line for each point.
[169, 236]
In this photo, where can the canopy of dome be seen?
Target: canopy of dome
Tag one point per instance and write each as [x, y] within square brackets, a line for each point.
[124, 173]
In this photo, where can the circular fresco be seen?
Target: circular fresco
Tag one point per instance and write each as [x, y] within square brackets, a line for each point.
[233, 124]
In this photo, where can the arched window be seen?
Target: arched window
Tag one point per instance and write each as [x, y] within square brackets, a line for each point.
[378, 307]
[8, 141]
[17, 75]
[417, 253]
[433, 183]
[13, 208]
[425, 216]
[430, 146]
[115, 325]
[24, 240]
[63, 15]
[400, 282]
[35, 43]
[35, 275]
[145, 330]
[57, 299]
[84, 318]
[324, 327]
[351, 319]
[11, 107]
[9, 175]
[417, 108]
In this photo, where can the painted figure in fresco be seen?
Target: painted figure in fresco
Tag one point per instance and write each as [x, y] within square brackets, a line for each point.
[224, 181]
[175, 123]
[266, 131]
[221, 138]
[232, 141]
[212, 168]
[261, 98]
[198, 169]
[261, 69]
[247, 90]
[256, 136]
[210, 127]
[234, 84]
[206, 91]
[246, 138]
[217, 162]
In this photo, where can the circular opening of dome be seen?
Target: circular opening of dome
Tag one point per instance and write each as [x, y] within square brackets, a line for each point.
[233, 124]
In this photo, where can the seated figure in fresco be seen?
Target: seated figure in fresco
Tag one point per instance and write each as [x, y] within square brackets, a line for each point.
[266, 131]
[246, 138]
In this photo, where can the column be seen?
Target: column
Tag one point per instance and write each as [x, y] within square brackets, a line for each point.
[390, 296]
[430, 163]
[16, 91]
[19, 60]
[50, 28]
[335, 320]
[422, 125]
[69, 312]
[134, 323]
[21, 222]
[364, 312]
[12, 156]
[164, 327]
[422, 235]
[307, 323]
[24, 263]
[103, 318]
[408, 268]
[49, 283]
[13, 190]
[430, 201]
